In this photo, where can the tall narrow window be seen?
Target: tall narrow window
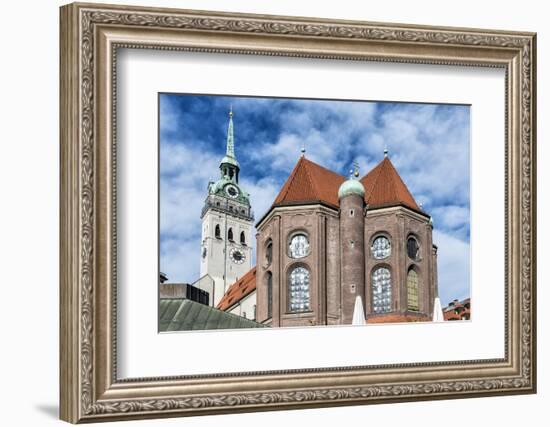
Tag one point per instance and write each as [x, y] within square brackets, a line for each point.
[269, 252]
[381, 290]
[412, 290]
[230, 234]
[269, 285]
[413, 250]
[217, 232]
[298, 290]
[243, 240]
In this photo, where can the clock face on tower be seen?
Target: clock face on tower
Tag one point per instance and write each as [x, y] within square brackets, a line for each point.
[232, 191]
[237, 256]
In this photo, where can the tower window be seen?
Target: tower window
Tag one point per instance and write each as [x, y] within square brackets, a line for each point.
[217, 232]
[230, 234]
[269, 252]
[299, 246]
[298, 290]
[412, 290]
[351, 213]
[243, 239]
[381, 290]
[413, 250]
[381, 247]
[269, 285]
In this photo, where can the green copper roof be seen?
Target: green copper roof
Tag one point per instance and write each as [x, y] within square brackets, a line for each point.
[218, 187]
[352, 185]
[230, 149]
[182, 314]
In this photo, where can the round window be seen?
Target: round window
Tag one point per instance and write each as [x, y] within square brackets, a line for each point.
[299, 246]
[381, 247]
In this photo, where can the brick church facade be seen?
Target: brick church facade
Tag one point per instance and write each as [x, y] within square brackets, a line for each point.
[332, 250]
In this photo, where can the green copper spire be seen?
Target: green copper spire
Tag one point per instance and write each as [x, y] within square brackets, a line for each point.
[230, 151]
[228, 184]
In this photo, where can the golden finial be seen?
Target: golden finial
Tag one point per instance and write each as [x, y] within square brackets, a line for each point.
[355, 170]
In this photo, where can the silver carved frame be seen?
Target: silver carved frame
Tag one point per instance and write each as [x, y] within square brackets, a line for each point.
[90, 36]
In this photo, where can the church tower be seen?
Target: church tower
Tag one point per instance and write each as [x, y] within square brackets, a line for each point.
[352, 235]
[226, 245]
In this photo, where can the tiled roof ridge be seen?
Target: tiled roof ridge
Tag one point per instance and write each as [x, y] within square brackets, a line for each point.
[392, 177]
[377, 171]
[403, 185]
[312, 182]
[396, 191]
[288, 184]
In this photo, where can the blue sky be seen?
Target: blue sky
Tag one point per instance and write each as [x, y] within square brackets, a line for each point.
[427, 143]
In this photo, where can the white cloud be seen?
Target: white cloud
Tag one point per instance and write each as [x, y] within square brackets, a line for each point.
[453, 217]
[180, 259]
[453, 265]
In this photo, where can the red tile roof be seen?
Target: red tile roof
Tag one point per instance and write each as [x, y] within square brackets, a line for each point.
[238, 290]
[310, 182]
[384, 187]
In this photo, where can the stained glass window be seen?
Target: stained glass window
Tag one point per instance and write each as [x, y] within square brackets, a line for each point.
[381, 290]
[298, 290]
[299, 246]
[412, 290]
[381, 247]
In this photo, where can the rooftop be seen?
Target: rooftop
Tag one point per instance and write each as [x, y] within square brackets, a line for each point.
[182, 314]
[239, 290]
[309, 182]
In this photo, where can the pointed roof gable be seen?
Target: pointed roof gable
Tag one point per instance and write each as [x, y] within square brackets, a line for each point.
[384, 187]
[310, 182]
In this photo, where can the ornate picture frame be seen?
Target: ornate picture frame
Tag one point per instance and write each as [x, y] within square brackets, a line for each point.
[90, 36]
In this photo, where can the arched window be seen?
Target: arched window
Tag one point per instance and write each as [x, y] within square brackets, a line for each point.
[412, 290]
[243, 240]
[298, 246]
[381, 290]
[269, 285]
[230, 234]
[413, 250]
[269, 252]
[381, 247]
[298, 289]
[217, 232]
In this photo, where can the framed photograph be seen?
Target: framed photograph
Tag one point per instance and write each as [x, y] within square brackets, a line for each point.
[267, 212]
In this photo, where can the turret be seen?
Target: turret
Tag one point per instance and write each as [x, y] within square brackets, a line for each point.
[352, 230]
